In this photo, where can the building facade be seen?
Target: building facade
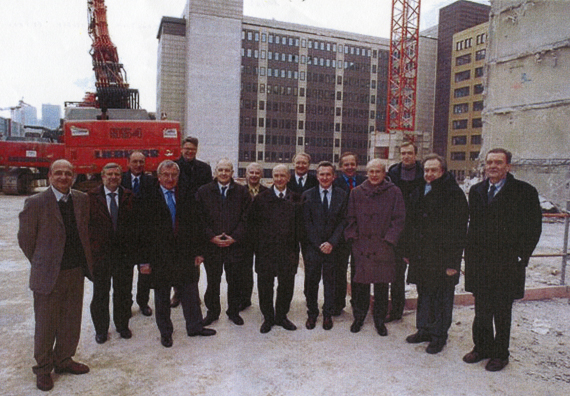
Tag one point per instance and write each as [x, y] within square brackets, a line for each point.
[51, 115]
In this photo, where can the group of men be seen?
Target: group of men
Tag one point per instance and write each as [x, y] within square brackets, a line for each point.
[414, 215]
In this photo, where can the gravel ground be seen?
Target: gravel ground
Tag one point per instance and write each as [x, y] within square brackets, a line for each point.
[241, 361]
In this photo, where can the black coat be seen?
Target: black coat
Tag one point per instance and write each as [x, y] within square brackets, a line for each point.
[276, 227]
[218, 215]
[341, 183]
[437, 232]
[193, 175]
[147, 183]
[502, 236]
[310, 182]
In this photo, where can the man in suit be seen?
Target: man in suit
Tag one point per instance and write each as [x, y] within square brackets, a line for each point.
[347, 180]
[54, 236]
[408, 175]
[505, 224]
[302, 180]
[222, 210]
[324, 210]
[193, 175]
[141, 184]
[276, 222]
[173, 253]
[112, 235]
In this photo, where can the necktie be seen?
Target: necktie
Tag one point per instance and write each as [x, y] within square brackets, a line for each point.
[136, 186]
[350, 183]
[301, 182]
[281, 195]
[491, 193]
[224, 192]
[325, 201]
[114, 210]
[171, 206]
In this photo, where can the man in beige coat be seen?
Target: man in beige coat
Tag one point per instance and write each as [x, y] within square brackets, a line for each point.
[53, 235]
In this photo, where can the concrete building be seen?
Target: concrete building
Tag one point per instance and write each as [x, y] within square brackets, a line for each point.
[51, 115]
[25, 114]
[466, 101]
[527, 101]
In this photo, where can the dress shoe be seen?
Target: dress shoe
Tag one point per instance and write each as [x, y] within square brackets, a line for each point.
[238, 320]
[435, 347]
[311, 323]
[244, 305]
[327, 323]
[286, 324]
[175, 301]
[392, 317]
[146, 310]
[204, 333]
[496, 364]
[72, 367]
[166, 341]
[44, 382]
[126, 333]
[209, 319]
[266, 327]
[417, 338]
[356, 326]
[100, 338]
[474, 357]
[381, 329]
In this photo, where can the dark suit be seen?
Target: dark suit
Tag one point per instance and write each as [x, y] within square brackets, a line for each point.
[54, 237]
[501, 237]
[112, 254]
[147, 185]
[309, 181]
[171, 250]
[276, 227]
[193, 175]
[322, 226]
[227, 215]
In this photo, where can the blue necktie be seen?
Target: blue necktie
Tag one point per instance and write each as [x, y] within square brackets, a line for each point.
[136, 186]
[325, 201]
[224, 192]
[491, 193]
[171, 206]
[114, 210]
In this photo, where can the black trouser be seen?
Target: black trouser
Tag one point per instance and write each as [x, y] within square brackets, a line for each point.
[398, 289]
[492, 307]
[340, 280]
[190, 301]
[143, 289]
[361, 301]
[313, 271]
[246, 285]
[435, 309]
[285, 289]
[214, 270]
[122, 277]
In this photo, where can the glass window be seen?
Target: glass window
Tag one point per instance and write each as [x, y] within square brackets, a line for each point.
[459, 140]
[461, 108]
[296, 42]
[302, 78]
[462, 76]
[255, 54]
[473, 155]
[461, 92]
[460, 124]
[303, 43]
[333, 65]
[291, 41]
[277, 39]
[303, 59]
[262, 54]
[340, 48]
[310, 44]
[478, 89]
[302, 90]
[263, 37]
[243, 34]
[295, 74]
[249, 36]
[479, 55]
[256, 37]
[322, 46]
[459, 46]
[476, 139]
[262, 71]
[357, 51]
[290, 58]
[283, 57]
[328, 63]
[249, 52]
[262, 86]
[478, 105]
[282, 73]
[463, 60]
[270, 38]
[373, 84]
[477, 123]
[458, 156]
[269, 55]
[479, 72]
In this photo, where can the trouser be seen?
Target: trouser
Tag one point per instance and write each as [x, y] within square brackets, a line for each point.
[214, 270]
[313, 272]
[58, 320]
[190, 301]
[434, 311]
[122, 277]
[285, 289]
[143, 289]
[246, 285]
[361, 301]
[492, 307]
[341, 281]
[398, 289]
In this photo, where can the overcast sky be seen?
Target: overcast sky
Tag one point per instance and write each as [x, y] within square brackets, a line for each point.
[44, 45]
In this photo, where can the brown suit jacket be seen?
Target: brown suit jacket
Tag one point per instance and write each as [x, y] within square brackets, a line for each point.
[42, 236]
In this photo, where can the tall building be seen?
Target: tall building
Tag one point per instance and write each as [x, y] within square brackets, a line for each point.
[51, 115]
[466, 101]
[454, 18]
[26, 114]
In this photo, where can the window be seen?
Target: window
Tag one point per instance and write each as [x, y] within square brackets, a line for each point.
[463, 60]
[302, 90]
[479, 72]
[460, 124]
[270, 38]
[459, 46]
[262, 71]
[249, 36]
[462, 76]
[303, 59]
[459, 140]
[255, 54]
[263, 37]
[301, 126]
[373, 84]
[468, 42]
[473, 156]
[339, 95]
[262, 86]
[481, 38]
[277, 39]
[256, 37]
[461, 108]
[476, 139]
[303, 43]
[477, 123]
[261, 105]
[340, 48]
[479, 55]
[310, 44]
[478, 89]
[302, 77]
[301, 108]
[458, 156]
[249, 52]
[478, 106]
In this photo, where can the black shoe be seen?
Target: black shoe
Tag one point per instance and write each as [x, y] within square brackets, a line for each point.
[435, 347]
[204, 333]
[392, 317]
[126, 333]
[418, 337]
[244, 305]
[266, 327]
[175, 301]
[100, 338]
[311, 323]
[146, 310]
[166, 341]
[238, 320]
[209, 319]
[474, 357]
[327, 323]
[496, 364]
[286, 324]
[44, 382]
[381, 329]
[356, 326]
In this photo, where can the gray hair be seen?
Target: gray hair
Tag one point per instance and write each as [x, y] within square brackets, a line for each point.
[168, 164]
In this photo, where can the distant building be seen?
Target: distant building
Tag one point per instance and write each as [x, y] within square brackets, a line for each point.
[26, 114]
[51, 115]
[4, 127]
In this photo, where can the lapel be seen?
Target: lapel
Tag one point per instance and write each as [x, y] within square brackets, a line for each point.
[53, 207]
[103, 202]
[336, 201]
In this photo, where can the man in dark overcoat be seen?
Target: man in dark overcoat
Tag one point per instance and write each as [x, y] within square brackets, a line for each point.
[324, 212]
[437, 218]
[302, 180]
[375, 220]
[276, 227]
[505, 224]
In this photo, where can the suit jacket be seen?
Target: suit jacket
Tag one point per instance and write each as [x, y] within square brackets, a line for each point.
[147, 183]
[309, 183]
[323, 227]
[341, 183]
[501, 236]
[193, 175]
[41, 237]
[106, 242]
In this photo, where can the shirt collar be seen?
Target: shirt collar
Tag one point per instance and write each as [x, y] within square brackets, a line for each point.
[165, 190]
[277, 192]
[133, 177]
[59, 195]
[107, 191]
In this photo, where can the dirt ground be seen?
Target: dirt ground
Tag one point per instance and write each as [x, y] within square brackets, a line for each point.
[241, 361]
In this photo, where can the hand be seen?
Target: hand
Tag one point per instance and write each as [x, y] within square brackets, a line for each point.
[222, 240]
[326, 247]
[145, 269]
[198, 260]
[450, 271]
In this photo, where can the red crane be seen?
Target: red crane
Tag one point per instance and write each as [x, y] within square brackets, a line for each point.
[403, 67]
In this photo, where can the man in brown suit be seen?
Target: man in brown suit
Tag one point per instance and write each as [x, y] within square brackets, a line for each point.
[54, 237]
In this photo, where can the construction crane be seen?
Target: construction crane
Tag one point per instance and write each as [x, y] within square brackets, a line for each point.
[403, 67]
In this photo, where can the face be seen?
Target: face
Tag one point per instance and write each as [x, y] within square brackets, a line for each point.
[408, 155]
[376, 174]
[280, 178]
[301, 165]
[496, 167]
[253, 176]
[136, 163]
[168, 178]
[189, 151]
[348, 166]
[111, 178]
[224, 172]
[61, 176]
[432, 170]
[325, 176]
